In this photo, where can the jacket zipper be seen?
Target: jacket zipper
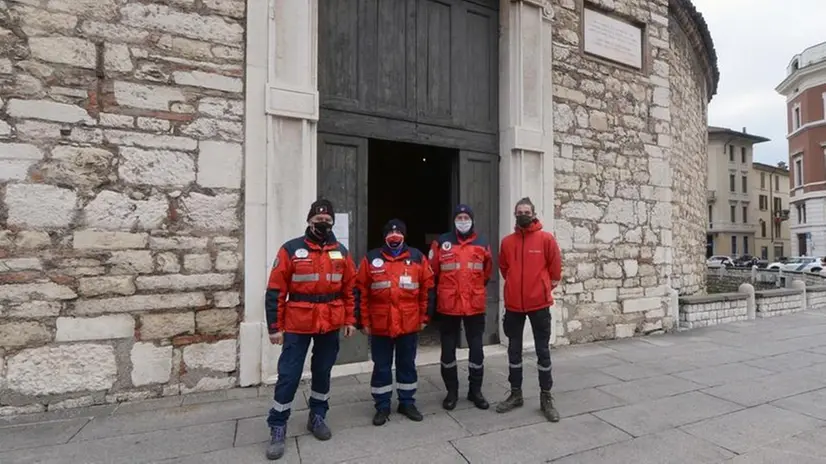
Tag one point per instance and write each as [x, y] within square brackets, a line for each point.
[522, 296]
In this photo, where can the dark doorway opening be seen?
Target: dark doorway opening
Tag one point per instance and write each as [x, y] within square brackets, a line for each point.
[417, 184]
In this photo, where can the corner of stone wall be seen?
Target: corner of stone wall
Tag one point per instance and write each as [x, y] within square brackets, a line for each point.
[120, 199]
[613, 180]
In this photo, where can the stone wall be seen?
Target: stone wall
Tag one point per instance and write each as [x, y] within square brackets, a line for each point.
[689, 159]
[120, 199]
[779, 302]
[620, 183]
[704, 311]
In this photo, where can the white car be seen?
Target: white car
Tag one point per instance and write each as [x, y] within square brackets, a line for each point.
[799, 264]
[719, 261]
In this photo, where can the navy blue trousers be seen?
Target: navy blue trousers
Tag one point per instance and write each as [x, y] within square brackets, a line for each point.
[290, 367]
[381, 383]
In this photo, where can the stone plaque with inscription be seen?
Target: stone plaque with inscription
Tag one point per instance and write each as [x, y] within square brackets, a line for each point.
[612, 38]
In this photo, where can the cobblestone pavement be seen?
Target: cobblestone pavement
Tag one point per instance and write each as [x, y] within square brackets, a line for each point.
[752, 392]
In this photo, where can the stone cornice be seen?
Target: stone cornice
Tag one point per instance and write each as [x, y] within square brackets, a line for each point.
[692, 22]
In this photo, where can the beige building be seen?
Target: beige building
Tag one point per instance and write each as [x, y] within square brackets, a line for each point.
[732, 224]
[770, 208]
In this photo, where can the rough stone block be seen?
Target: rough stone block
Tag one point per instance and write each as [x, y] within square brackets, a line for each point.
[227, 261]
[154, 326]
[226, 299]
[72, 329]
[217, 321]
[34, 310]
[64, 50]
[150, 364]
[20, 264]
[185, 282]
[61, 369]
[131, 262]
[150, 97]
[16, 159]
[103, 9]
[641, 304]
[167, 262]
[219, 212]
[162, 18]
[40, 206]
[219, 356]
[220, 164]
[156, 167]
[139, 139]
[27, 292]
[232, 8]
[208, 81]
[140, 303]
[116, 58]
[177, 243]
[221, 108]
[82, 167]
[20, 334]
[95, 286]
[102, 240]
[198, 263]
[114, 210]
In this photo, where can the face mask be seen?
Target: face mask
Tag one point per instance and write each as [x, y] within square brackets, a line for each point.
[394, 242]
[322, 229]
[463, 226]
[523, 220]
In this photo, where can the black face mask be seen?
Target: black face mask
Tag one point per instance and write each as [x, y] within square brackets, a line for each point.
[523, 220]
[322, 229]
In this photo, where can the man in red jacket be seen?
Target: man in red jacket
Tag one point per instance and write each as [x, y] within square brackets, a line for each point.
[310, 298]
[531, 264]
[395, 286]
[462, 265]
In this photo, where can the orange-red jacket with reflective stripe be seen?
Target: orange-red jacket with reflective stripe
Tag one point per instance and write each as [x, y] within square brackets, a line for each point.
[311, 287]
[531, 264]
[394, 292]
[462, 266]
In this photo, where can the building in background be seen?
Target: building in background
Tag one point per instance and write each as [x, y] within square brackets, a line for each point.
[805, 90]
[731, 227]
[770, 208]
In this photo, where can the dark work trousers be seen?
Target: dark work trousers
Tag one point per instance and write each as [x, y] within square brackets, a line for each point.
[513, 325]
[449, 331]
[290, 367]
[381, 384]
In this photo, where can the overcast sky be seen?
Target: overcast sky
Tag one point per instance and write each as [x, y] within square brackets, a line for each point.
[753, 57]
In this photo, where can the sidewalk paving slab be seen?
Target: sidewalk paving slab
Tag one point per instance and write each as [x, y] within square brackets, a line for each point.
[748, 392]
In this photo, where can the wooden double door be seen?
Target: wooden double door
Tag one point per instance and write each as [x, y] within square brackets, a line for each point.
[416, 71]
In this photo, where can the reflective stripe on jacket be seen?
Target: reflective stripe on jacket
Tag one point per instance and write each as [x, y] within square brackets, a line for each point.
[462, 267]
[311, 288]
[394, 291]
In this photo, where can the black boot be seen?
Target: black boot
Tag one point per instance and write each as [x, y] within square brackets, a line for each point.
[450, 401]
[411, 412]
[381, 417]
[513, 401]
[277, 445]
[546, 404]
[475, 396]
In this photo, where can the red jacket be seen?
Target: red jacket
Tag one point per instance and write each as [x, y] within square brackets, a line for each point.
[531, 264]
[394, 292]
[462, 267]
[311, 288]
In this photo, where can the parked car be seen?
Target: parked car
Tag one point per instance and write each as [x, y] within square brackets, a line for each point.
[745, 261]
[719, 261]
[800, 264]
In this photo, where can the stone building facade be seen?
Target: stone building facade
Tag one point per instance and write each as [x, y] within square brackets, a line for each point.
[126, 208]
[630, 163]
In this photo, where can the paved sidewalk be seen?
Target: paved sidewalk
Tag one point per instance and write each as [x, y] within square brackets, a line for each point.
[752, 392]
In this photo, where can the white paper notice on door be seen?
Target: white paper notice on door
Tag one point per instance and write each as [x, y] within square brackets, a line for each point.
[342, 228]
